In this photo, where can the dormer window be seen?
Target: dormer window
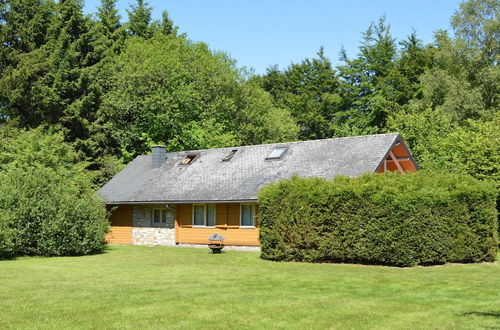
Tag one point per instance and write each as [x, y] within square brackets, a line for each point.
[188, 159]
[230, 155]
[277, 153]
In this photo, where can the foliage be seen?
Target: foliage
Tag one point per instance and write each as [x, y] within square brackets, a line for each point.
[309, 90]
[47, 203]
[391, 219]
[173, 91]
[140, 19]
[62, 69]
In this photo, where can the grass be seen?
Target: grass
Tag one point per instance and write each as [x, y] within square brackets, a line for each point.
[170, 287]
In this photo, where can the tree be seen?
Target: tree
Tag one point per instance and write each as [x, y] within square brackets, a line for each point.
[369, 81]
[310, 90]
[167, 25]
[139, 19]
[173, 91]
[107, 33]
[478, 23]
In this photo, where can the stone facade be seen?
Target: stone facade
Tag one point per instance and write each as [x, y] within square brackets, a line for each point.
[146, 232]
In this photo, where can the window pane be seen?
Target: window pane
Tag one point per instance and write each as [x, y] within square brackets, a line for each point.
[247, 215]
[163, 216]
[156, 216]
[199, 215]
[277, 152]
[211, 215]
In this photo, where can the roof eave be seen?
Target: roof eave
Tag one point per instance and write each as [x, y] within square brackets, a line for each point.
[251, 200]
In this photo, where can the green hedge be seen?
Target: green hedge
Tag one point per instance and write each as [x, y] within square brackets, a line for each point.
[48, 205]
[45, 213]
[392, 219]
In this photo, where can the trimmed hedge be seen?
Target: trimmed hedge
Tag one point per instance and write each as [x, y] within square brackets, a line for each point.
[401, 220]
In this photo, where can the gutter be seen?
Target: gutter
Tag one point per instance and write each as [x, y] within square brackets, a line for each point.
[183, 201]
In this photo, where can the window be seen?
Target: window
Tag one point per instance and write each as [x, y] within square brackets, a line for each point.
[230, 155]
[277, 153]
[159, 216]
[188, 159]
[247, 215]
[204, 215]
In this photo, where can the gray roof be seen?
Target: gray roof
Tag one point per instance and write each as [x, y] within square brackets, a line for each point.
[208, 178]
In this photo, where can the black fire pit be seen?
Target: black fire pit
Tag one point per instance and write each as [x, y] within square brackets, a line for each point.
[216, 243]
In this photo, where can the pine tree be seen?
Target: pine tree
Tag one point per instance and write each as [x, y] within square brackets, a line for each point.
[139, 19]
[107, 33]
[108, 17]
[309, 89]
[368, 82]
[167, 25]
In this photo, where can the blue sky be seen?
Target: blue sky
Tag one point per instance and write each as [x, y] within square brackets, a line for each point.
[261, 33]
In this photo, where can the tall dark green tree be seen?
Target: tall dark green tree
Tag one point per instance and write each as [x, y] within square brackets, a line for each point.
[310, 90]
[368, 81]
[414, 59]
[139, 17]
[24, 27]
[107, 32]
[167, 25]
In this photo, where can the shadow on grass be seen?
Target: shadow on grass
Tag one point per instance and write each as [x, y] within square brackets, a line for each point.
[105, 250]
[487, 314]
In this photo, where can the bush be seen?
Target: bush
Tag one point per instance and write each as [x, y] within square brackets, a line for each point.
[391, 219]
[47, 203]
[7, 249]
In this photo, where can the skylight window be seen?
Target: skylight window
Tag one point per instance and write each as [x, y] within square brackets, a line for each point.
[277, 153]
[230, 155]
[188, 159]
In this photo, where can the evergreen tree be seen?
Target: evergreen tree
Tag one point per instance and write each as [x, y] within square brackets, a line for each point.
[24, 26]
[414, 60]
[107, 33]
[108, 17]
[309, 89]
[167, 25]
[368, 81]
[139, 19]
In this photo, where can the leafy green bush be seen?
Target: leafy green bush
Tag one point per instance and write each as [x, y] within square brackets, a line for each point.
[391, 219]
[6, 239]
[47, 203]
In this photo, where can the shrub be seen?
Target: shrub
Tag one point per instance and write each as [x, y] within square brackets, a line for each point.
[7, 249]
[47, 203]
[391, 219]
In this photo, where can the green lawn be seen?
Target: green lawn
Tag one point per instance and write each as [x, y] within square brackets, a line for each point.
[169, 287]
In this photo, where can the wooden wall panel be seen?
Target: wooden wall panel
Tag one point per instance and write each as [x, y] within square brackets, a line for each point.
[233, 235]
[403, 157]
[121, 225]
[184, 214]
[221, 214]
[233, 214]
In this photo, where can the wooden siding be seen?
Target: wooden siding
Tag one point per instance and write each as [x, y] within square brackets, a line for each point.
[121, 225]
[401, 156]
[227, 224]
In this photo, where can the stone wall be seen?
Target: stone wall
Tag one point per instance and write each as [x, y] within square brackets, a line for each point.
[145, 232]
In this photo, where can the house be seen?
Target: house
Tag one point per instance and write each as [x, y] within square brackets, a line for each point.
[184, 197]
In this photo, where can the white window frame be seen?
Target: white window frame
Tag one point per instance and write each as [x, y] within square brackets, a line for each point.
[162, 210]
[205, 216]
[254, 215]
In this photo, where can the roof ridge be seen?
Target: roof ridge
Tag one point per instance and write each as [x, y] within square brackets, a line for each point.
[280, 143]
